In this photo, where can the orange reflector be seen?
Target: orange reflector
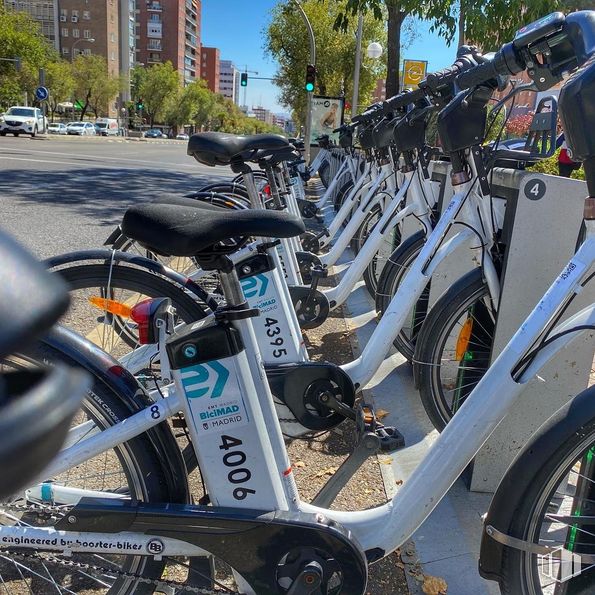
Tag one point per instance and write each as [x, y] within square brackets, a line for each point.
[111, 306]
[463, 340]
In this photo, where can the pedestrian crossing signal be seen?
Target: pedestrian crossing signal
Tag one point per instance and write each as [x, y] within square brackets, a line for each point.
[310, 77]
[244, 79]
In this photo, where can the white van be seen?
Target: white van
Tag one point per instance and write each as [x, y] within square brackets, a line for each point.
[107, 127]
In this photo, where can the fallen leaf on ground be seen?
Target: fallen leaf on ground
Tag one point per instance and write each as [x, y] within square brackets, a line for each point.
[381, 414]
[399, 482]
[328, 471]
[434, 585]
[299, 464]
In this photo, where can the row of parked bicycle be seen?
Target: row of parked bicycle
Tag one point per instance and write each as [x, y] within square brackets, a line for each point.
[194, 314]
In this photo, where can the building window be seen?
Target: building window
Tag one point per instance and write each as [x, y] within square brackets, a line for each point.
[87, 51]
[75, 33]
[86, 15]
[66, 51]
[113, 56]
[87, 34]
[112, 37]
[64, 32]
[75, 16]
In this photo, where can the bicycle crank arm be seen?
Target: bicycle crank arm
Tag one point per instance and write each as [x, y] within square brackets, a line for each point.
[252, 542]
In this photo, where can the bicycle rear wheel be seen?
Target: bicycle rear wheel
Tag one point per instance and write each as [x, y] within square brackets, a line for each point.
[98, 320]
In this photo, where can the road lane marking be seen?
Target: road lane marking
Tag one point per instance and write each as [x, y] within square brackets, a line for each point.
[83, 165]
[100, 157]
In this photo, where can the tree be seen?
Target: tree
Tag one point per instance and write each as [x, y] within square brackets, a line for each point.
[99, 102]
[20, 37]
[94, 86]
[286, 42]
[60, 82]
[395, 12]
[159, 83]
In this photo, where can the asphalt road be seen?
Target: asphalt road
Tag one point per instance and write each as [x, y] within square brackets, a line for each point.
[61, 195]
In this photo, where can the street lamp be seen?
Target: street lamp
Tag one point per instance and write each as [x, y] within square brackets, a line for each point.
[89, 40]
[309, 96]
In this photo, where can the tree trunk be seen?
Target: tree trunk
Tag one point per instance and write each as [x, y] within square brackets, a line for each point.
[461, 24]
[395, 20]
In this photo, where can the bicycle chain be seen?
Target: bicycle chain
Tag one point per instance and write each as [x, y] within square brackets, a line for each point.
[58, 512]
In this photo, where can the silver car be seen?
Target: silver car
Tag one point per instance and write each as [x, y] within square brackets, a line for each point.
[81, 129]
[57, 128]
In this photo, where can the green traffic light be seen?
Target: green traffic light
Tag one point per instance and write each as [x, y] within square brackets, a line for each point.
[310, 87]
[244, 83]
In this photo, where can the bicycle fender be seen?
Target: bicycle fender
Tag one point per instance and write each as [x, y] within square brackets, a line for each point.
[105, 368]
[578, 415]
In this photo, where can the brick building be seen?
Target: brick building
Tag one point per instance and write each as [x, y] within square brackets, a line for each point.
[43, 11]
[83, 20]
[210, 68]
[169, 30]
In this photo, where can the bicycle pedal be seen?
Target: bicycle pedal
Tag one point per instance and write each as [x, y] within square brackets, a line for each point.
[390, 438]
[319, 271]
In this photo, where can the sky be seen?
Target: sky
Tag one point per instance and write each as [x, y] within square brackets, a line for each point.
[236, 28]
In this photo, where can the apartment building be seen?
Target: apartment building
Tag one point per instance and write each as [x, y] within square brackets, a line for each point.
[169, 30]
[90, 27]
[43, 11]
[210, 68]
[263, 114]
[127, 24]
[229, 81]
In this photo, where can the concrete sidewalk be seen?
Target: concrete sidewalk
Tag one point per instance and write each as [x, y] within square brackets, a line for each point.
[447, 544]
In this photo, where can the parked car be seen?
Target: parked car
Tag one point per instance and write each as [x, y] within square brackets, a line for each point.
[107, 127]
[81, 128]
[154, 133]
[23, 120]
[57, 128]
[182, 136]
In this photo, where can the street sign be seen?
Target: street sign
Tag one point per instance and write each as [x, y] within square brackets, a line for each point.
[414, 72]
[41, 93]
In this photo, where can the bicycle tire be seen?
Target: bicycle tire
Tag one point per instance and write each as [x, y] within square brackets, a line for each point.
[391, 277]
[464, 301]
[130, 279]
[324, 173]
[541, 479]
[141, 469]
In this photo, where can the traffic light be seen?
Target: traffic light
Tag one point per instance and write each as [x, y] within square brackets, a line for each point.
[244, 79]
[139, 104]
[310, 77]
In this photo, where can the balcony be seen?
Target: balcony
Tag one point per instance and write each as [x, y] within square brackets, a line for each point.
[155, 6]
[154, 45]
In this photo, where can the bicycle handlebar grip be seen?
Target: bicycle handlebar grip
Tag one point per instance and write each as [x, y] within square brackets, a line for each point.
[442, 76]
[477, 75]
[403, 99]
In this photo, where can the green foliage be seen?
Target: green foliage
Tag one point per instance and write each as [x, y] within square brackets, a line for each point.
[550, 166]
[94, 86]
[20, 37]
[60, 81]
[159, 83]
[287, 42]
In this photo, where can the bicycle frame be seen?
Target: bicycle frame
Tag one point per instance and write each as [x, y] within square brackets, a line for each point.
[466, 203]
[269, 484]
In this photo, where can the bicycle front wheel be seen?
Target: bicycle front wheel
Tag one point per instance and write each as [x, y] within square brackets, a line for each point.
[454, 347]
[131, 471]
[555, 508]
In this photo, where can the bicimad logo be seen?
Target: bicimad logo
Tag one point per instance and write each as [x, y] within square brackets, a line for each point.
[560, 565]
[255, 286]
[205, 380]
